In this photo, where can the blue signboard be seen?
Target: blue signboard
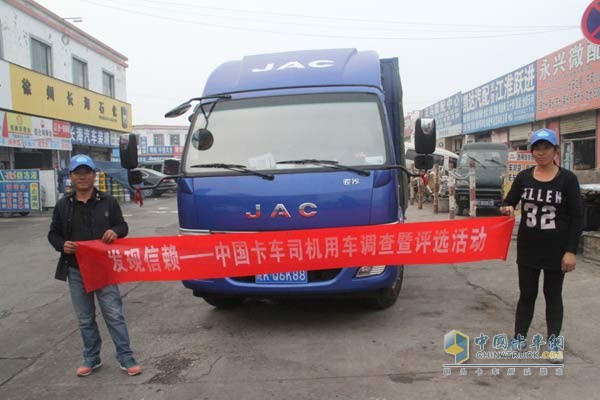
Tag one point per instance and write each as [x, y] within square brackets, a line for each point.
[448, 116]
[159, 150]
[20, 190]
[505, 101]
[88, 136]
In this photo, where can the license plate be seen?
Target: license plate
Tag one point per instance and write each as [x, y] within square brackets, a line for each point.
[281, 278]
[484, 202]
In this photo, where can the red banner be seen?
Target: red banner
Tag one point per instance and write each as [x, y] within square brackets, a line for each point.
[246, 254]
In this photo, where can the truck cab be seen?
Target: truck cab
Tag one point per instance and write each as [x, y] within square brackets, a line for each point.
[297, 140]
[490, 167]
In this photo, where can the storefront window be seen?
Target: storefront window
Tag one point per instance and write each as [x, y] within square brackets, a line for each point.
[584, 154]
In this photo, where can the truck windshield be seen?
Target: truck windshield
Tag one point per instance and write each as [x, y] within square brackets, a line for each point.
[259, 132]
[486, 158]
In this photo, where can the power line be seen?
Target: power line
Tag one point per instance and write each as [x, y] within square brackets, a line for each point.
[317, 35]
[346, 19]
[414, 27]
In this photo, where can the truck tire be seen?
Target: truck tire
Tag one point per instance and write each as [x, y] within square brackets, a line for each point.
[386, 297]
[220, 301]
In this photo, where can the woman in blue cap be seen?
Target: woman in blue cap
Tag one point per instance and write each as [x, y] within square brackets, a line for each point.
[551, 224]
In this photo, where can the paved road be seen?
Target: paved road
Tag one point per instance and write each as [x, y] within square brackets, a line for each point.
[291, 350]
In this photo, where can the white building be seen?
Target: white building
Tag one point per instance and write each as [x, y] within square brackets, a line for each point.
[157, 142]
[67, 90]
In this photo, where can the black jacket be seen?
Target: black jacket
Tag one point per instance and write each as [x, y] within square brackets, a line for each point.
[106, 215]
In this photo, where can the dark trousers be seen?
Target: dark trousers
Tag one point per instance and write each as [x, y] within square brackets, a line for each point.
[528, 285]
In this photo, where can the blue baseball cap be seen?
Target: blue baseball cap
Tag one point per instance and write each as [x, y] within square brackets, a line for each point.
[81, 159]
[544, 134]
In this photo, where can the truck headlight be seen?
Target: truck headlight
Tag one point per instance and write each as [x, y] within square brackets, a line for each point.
[363, 272]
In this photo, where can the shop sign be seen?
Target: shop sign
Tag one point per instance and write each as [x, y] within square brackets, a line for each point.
[29, 132]
[166, 150]
[89, 136]
[409, 124]
[39, 94]
[448, 116]
[568, 80]
[20, 190]
[505, 101]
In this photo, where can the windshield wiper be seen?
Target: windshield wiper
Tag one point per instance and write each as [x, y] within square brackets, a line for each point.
[496, 162]
[476, 160]
[326, 163]
[236, 168]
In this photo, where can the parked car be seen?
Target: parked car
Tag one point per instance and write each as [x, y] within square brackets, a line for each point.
[151, 178]
[168, 166]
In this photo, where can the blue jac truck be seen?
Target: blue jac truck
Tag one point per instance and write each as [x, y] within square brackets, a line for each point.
[297, 140]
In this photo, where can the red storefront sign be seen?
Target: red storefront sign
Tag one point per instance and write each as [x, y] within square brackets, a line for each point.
[568, 80]
[247, 254]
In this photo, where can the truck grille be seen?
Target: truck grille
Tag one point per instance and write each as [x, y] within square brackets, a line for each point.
[313, 276]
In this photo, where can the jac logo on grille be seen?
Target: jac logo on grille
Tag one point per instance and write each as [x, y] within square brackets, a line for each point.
[306, 210]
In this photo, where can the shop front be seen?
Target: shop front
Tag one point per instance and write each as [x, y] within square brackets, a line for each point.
[579, 141]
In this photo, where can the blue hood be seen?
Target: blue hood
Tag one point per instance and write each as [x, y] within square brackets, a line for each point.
[341, 199]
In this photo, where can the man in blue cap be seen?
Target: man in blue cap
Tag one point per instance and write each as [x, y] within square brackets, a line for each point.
[89, 214]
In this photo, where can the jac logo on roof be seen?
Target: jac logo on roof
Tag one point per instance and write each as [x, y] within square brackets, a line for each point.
[295, 65]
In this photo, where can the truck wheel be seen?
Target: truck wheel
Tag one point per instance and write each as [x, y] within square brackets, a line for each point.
[386, 297]
[220, 301]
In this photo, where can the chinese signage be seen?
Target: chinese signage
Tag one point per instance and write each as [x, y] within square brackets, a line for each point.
[508, 100]
[409, 124]
[20, 190]
[236, 254]
[88, 136]
[166, 150]
[448, 116]
[39, 94]
[519, 161]
[568, 80]
[23, 131]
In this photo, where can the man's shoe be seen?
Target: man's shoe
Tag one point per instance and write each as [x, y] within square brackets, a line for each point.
[131, 367]
[88, 367]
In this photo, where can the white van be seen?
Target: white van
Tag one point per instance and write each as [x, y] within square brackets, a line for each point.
[440, 156]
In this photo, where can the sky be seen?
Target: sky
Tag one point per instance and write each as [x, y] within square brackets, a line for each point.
[443, 47]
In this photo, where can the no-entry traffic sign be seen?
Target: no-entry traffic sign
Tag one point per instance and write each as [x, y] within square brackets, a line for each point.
[590, 22]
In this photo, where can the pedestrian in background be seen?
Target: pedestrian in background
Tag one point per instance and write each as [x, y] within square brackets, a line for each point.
[89, 214]
[549, 232]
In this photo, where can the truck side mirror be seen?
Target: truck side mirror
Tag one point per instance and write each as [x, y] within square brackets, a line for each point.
[128, 151]
[425, 135]
[424, 161]
[134, 177]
